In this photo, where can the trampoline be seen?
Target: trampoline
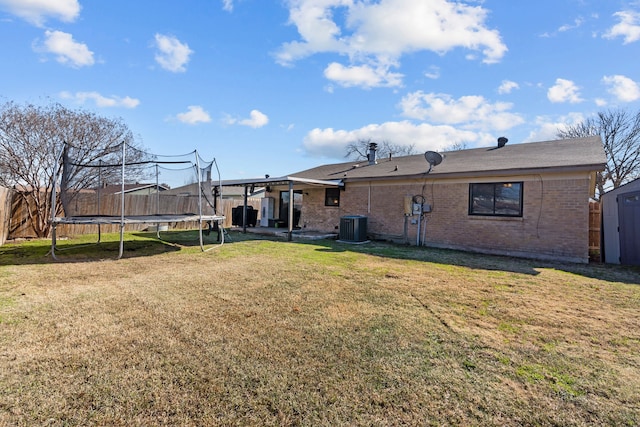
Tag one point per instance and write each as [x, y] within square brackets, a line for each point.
[107, 190]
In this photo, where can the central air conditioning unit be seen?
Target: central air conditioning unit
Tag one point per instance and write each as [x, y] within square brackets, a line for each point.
[353, 228]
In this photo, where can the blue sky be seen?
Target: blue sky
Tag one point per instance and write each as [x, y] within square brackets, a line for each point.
[273, 87]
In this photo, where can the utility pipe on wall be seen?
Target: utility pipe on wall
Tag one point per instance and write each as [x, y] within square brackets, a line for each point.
[418, 233]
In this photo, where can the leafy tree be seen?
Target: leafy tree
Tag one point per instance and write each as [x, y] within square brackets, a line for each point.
[31, 140]
[359, 150]
[620, 133]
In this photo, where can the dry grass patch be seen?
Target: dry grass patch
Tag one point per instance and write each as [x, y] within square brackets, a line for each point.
[265, 332]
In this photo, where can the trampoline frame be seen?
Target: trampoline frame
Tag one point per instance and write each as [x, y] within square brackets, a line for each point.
[122, 220]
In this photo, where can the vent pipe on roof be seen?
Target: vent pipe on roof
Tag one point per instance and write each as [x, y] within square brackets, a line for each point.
[502, 141]
[372, 153]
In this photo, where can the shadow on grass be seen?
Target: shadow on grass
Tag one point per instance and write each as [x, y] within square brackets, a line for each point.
[142, 244]
[87, 249]
[609, 272]
[437, 256]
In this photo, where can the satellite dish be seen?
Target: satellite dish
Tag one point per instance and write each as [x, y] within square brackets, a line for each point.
[433, 158]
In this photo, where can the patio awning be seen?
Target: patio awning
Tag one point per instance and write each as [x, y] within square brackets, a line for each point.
[289, 181]
[283, 180]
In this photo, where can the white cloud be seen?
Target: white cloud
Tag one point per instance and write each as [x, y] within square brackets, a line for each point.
[316, 27]
[256, 120]
[363, 76]
[469, 112]
[628, 27]
[227, 5]
[576, 23]
[379, 33]
[66, 49]
[331, 143]
[622, 87]
[564, 91]
[36, 12]
[195, 115]
[507, 86]
[100, 100]
[433, 73]
[172, 54]
[547, 128]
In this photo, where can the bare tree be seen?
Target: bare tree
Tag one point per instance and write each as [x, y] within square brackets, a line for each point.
[359, 150]
[620, 133]
[456, 146]
[31, 140]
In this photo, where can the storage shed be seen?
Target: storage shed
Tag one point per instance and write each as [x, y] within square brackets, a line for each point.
[621, 224]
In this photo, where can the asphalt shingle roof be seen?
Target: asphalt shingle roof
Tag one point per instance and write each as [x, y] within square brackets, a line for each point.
[565, 154]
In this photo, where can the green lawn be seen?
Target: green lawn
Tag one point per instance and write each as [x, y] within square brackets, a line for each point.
[317, 333]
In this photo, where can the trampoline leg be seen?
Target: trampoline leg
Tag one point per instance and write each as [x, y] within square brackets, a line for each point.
[121, 241]
[214, 225]
[53, 242]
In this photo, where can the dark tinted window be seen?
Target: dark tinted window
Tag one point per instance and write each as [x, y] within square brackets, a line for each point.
[332, 197]
[498, 199]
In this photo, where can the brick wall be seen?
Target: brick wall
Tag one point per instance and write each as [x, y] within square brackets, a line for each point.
[555, 222]
[383, 205]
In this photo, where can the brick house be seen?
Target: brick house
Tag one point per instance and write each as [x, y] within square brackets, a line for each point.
[529, 200]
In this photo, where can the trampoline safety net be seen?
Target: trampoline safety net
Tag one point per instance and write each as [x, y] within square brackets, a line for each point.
[125, 185]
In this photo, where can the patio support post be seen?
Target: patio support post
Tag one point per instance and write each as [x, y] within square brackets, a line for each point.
[290, 231]
[99, 191]
[158, 203]
[244, 209]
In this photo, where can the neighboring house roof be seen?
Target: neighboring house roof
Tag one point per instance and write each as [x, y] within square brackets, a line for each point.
[128, 188]
[236, 191]
[184, 190]
[560, 155]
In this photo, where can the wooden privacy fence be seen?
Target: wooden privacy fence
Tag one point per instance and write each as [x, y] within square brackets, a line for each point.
[5, 213]
[86, 204]
[594, 231]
